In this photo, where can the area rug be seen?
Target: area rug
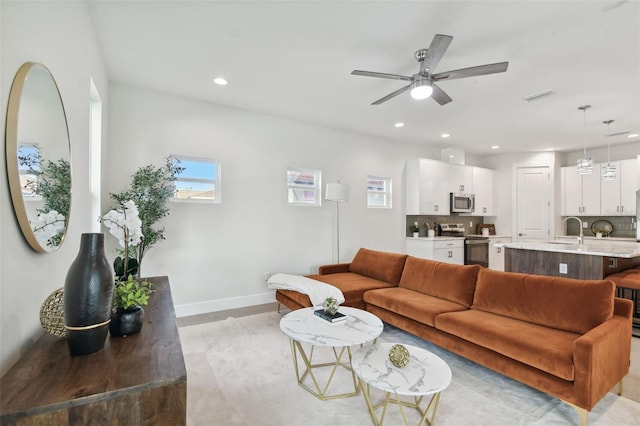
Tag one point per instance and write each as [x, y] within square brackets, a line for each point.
[240, 372]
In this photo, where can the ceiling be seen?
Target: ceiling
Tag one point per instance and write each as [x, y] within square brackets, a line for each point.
[293, 59]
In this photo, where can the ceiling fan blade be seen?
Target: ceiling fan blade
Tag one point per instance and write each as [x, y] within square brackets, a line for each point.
[380, 75]
[471, 71]
[439, 45]
[391, 95]
[439, 95]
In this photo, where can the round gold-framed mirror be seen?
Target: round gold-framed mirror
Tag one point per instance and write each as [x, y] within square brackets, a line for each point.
[38, 156]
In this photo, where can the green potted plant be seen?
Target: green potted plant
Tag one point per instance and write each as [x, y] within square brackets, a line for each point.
[415, 230]
[151, 188]
[129, 297]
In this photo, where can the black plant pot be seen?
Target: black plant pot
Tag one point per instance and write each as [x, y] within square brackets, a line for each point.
[125, 322]
[88, 292]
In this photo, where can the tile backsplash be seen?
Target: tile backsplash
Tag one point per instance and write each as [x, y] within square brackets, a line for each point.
[623, 226]
[469, 222]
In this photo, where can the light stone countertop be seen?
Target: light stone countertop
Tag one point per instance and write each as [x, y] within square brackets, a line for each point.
[435, 238]
[593, 247]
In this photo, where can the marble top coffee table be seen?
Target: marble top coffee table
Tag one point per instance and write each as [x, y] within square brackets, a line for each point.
[425, 374]
[307, 332]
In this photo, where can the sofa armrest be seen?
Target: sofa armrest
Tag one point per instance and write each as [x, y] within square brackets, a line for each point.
[333, 269]
[622, 307]
[601, 359]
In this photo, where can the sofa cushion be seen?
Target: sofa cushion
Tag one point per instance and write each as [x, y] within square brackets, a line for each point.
[411, 304]
[541, 347]
[352, 285]
[379, 265]
[447, 281]
[563, 303]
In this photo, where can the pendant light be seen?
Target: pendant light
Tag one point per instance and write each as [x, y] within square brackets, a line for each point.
[585, 164]
[608, 171]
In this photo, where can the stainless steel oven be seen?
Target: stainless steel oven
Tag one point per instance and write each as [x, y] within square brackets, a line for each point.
[476, 250]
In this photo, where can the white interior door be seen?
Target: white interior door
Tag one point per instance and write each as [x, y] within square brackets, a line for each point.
[533, 198]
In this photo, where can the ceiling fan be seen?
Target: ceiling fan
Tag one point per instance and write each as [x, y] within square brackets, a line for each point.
[422, 83]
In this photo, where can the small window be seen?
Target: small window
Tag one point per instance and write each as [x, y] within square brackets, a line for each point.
[29, 168]
[199, 181]
[304, 187]
[378, 192]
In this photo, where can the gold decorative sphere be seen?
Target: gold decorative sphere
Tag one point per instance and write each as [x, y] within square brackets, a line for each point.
[52, 313]
[399, 355]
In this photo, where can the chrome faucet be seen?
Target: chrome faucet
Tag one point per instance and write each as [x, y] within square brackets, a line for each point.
[581, 236]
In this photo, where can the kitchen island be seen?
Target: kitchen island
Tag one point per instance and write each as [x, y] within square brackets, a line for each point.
[593, 260]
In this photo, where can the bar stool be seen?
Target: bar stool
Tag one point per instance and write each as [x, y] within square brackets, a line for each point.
[626, 282]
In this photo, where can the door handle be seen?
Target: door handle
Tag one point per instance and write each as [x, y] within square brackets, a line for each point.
[521, 235]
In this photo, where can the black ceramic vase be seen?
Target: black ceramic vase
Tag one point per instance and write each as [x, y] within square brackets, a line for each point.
[88, 293]
[126, 322]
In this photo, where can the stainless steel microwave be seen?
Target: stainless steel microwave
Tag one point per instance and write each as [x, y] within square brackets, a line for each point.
[463, 203]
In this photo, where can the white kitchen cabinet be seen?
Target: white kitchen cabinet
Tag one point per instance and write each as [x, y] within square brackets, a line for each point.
[496, 254]
[618, 196]
[580, 193]
[483, 190]
[461, 179]
[427, 183]
[442, 250]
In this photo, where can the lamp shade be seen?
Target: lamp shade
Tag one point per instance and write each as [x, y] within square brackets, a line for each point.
[337, 192]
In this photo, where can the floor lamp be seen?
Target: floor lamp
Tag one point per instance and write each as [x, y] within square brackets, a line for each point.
[337, 192]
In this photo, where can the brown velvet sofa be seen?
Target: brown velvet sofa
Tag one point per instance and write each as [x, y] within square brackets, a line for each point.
[568, 338]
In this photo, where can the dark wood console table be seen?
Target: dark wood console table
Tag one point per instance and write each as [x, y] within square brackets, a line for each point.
[140, 379]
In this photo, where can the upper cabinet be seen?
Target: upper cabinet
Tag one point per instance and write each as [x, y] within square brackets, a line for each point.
[580, 193]
[429, 183]
[461, 179]
[483, 189]
[618, 196]
[590, 195]
[427, 187]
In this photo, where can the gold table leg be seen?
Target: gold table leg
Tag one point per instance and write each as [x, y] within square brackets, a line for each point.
[426, 419]
[304, 373]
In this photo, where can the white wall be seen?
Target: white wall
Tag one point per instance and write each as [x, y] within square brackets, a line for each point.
[216, 255]
[618, 151]
[58, 35]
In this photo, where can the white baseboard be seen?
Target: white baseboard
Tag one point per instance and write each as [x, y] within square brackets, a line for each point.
[224, 304]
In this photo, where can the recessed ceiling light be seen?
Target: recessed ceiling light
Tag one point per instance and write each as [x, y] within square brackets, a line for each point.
[495, 147]
[399, 124]
[632, 135]
[445, 135]
[221, 81]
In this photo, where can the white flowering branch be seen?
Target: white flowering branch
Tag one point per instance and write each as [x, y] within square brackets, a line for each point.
[47, 225]
[125, 224]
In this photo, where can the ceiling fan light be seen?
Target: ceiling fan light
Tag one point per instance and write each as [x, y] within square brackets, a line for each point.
[421, 89]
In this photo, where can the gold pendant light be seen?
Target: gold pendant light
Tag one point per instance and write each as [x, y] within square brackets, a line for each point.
[608, 171]
[585, 164]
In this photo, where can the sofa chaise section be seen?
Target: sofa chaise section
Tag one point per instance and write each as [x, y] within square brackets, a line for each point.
[369, 269]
